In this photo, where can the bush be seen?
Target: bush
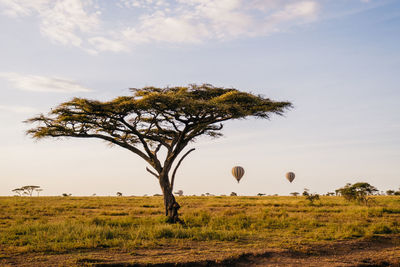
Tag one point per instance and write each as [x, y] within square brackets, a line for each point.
[310, 197]
[357, 192]
[390, 192]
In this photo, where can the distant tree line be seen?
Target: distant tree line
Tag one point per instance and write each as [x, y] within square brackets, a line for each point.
[359, 192]
[393, 192]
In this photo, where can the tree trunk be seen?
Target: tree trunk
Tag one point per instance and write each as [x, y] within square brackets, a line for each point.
[170, 204]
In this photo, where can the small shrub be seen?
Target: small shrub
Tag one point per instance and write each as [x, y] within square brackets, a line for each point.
[310, 197]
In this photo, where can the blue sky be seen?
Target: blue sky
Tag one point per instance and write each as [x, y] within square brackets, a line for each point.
[337, 60]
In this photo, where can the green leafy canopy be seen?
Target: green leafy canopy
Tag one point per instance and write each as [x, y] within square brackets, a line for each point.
[154, 117]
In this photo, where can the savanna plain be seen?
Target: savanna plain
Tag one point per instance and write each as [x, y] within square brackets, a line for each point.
[217, 231]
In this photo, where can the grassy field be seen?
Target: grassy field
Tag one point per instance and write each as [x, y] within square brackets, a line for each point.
[215, 226]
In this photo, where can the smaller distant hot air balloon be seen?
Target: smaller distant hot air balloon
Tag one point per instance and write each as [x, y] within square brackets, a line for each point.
[290, 176]
[237, 172]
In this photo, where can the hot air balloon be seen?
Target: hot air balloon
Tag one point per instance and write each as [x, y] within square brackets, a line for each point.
[290, 176]
[237, 172]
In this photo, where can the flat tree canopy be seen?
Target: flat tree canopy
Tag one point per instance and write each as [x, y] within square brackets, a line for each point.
[27, 190]
[154, 118]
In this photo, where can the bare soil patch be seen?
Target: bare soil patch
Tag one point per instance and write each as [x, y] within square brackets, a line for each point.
[380, 251]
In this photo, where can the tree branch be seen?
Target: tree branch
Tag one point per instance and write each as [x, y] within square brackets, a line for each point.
[150, 171]
[107, 138]
[145, 136]
[140, 136]
[157, 148]
[177, 166]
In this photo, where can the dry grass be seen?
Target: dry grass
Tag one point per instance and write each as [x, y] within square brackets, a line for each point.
[228, 224]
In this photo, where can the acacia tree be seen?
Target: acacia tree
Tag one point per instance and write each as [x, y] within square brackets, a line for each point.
[358, 192]
[27, 190]
[155, 119]
[19, 191]
[38, 190]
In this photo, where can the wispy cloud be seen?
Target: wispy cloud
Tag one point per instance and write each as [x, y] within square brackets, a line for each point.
[42, 84]
[101, 44]
[193, 21]
[79, 22]
[17, 109]
[68, 21]
[63, 21]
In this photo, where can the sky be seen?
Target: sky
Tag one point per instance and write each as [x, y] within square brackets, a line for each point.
[337, 61]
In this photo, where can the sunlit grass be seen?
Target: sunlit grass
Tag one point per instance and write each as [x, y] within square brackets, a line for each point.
[59, 224]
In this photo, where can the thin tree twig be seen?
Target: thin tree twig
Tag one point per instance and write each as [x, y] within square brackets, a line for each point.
[150, 171]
